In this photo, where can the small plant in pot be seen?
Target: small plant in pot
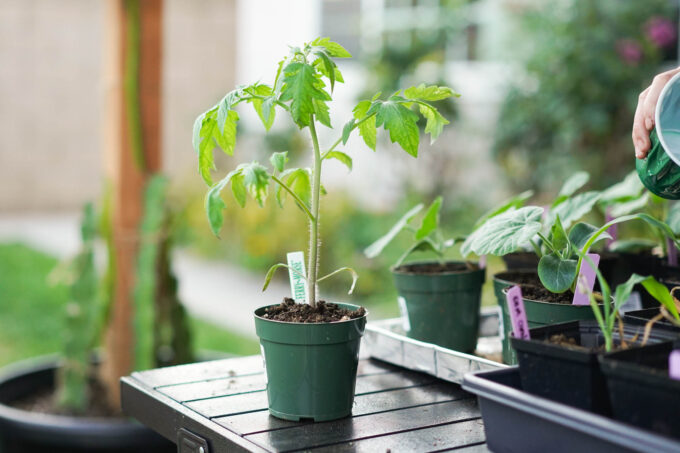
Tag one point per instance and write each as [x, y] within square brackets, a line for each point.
[310, 349]
[440, 300]
[560, 361]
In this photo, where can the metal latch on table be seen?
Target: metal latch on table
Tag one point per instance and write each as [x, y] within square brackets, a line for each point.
[188, 442]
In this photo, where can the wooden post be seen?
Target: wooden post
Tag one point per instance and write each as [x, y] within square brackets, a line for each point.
[125, 174]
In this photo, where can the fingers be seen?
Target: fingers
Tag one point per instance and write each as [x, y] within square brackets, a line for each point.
[640, 133]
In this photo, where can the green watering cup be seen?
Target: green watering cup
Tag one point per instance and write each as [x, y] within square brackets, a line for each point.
[660, 170]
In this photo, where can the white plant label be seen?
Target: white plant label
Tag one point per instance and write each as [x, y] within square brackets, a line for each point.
[296, 272]
[404, 314]
[633, 303]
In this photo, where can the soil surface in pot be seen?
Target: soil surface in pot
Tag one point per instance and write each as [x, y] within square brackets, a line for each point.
[289, 311]
[44, 401]
[571, 343]
[539, 293]
[436, 268]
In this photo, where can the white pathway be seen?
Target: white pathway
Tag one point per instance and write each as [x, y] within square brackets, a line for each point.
[211, 290]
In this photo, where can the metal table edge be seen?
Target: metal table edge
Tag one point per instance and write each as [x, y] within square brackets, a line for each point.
[167, 416]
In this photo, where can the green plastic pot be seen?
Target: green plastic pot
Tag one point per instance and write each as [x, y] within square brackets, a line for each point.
[539, 313]
[441, 308]
[311, 369]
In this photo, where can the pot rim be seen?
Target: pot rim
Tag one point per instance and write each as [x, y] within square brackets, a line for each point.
[273, 321]
[394, 269]
[505, 291]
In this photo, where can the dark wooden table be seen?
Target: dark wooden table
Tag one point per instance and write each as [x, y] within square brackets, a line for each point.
[221, 406]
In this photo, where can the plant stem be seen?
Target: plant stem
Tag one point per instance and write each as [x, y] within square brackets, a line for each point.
[314, 222]
[338, 141]
[537, 249]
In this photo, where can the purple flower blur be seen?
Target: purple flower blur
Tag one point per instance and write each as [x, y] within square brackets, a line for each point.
[660, 31]
[629, 50]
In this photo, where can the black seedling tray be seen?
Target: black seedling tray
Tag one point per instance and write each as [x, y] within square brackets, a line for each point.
[516, 421]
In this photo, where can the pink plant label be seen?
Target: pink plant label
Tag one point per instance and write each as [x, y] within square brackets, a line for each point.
[674, 365]
[482, 262]
[520, 327]
[586, 280]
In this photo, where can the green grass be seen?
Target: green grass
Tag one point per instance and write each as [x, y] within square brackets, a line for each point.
[32, 311]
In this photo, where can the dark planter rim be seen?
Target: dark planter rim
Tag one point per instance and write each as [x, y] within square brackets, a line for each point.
[342, 304]
[68, 430]
[395, 269]
[505, 291]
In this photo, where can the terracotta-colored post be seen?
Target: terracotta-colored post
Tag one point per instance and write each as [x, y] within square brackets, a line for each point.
[125, 173]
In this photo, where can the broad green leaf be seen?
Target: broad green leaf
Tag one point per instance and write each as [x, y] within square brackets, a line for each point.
[214, 203]
[377, 247]
[367, 128]
[279, 160]
[238, 189]
[429, 93]
[630, 187]
[572, 209]
[557, 274]
[435, 122]
[347, 130]
[302, 87]
[574, 183]
[321, 113]
[352, 272]
[504, 233]
[401, 123]
[673, 218]
[256, 180]
[582, 232]
[334, 49]
[630, 206]
[558, 236]
[342, 157]
[514, 202]
[430, 220]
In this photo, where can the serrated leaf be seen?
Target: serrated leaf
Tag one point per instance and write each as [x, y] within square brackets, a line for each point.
[347, 130]
[574, 208]
[555, 273]
[325, 66]
[334, 49]
[238, 189]
[367, 129]
[574, 183]
[256, 180]
[321, 113]
[264, 107]
[430, 220]
[374, 249]
[429, 93]
[401, 124]
[214, 203]
[435, 122]
[504, 233]
[301, 87]
[342, 157]
[207, 129]
[279, 160]
[514, 202]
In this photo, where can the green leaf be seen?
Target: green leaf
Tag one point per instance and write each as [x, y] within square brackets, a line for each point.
[630, 206]
[622, 293]
[430, 220]
[302, 87]
[214, 203]
[401, 123]
[342, 157]
[377, 247]
[558, 236]
[572, 209]
[435, 122]
[354, 274]
[367, 128]
[632, 245]
[334, 49]
[227, 105]
[673, 218]
[574, 183]
[264, 107]
[504, 233]
[299, 181]
[321, 112]
[272, 270]
[557, 274]
[347, 130]
[515, 202]
[256, 180]
[205, 124]
[238, 189]
[279, 160]
[658, 224]
[325, 66]
[630, 187]
[582, 232]
[661, 293]
[429, 93]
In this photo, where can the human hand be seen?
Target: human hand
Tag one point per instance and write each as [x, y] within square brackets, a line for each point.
[644, 114]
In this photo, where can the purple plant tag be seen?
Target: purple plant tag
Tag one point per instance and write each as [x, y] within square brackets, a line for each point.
[520, 327]
[612, 230]
[672, 252]
[674, 365]
[585, 280]
[482, 261]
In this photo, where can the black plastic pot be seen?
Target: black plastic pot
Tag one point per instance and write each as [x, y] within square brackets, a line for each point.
[516, 421]
[640, 390]
[645, 315]
[442, 308]
[567, 374]
[28, 432]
